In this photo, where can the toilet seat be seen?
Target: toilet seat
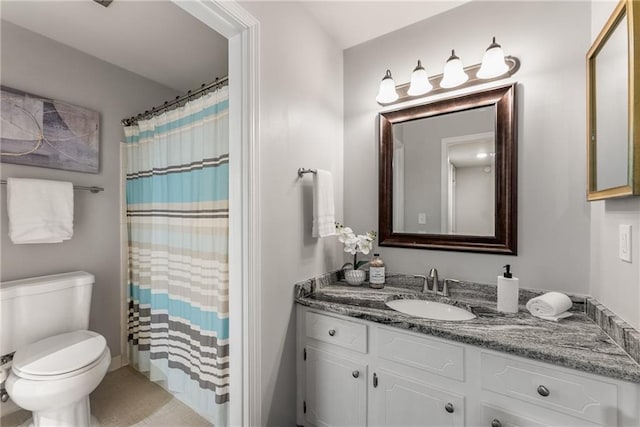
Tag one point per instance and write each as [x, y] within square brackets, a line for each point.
[60, 356]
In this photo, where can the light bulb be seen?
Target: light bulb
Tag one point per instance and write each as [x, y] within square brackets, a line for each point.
[387, 91]
[419, 81]
[454, 74]
[493, 64]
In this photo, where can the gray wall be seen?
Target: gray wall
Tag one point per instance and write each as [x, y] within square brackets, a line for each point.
[423, 162]
[613, 282]
[551, 39]
[475, 200]
[41, 66]
[300, 126]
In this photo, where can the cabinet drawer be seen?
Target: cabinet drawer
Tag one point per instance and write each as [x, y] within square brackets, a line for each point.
[495, 417]
[336, 331]
[422, 353]
[555, 389]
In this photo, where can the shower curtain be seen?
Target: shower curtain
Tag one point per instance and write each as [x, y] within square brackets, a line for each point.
[177, 188]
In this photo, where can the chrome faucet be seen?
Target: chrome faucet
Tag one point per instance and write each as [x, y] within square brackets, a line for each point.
[432, 281]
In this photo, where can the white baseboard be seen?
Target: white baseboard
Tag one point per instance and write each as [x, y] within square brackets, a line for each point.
[116, 363]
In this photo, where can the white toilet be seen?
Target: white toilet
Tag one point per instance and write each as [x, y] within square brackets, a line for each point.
[57, 361]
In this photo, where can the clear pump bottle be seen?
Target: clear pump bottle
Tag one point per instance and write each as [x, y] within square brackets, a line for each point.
[376, 272]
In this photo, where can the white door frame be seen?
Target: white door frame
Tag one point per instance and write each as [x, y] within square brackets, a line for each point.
[243, 32]
[446, 214]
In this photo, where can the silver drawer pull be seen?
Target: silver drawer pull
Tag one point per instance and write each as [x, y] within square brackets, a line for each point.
[543, 391]
[449, 407]
[496, 423]
[355, 374]
[332, 332]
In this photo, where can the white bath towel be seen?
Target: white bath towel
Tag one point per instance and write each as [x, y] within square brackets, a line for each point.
[40, 211]
[323, 205]
[550, 306]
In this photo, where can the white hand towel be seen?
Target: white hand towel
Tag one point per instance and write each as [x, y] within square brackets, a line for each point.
[550, 306]
[40, 211]
[324, 220]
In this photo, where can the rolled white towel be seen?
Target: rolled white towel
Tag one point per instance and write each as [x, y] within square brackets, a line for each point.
[550, 306]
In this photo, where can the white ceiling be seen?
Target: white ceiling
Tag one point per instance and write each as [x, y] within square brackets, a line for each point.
[353, 22]
[160, 41]
[157, 39]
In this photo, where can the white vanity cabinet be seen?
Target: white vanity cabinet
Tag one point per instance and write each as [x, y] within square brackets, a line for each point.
[335, 389]
[359, 373]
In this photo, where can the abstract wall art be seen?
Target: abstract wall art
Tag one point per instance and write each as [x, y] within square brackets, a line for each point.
[37, 131]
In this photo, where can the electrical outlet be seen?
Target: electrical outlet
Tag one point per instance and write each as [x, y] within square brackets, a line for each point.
[422, 218]
[624, 242]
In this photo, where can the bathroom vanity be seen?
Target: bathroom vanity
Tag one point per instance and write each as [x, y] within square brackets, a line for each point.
[360, 363]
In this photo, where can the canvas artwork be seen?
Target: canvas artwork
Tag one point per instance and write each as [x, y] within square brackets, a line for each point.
[43, 132]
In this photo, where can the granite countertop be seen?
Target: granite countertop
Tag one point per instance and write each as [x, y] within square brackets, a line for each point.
[576, 342]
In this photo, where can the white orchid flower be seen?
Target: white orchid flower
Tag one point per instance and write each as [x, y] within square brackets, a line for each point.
[345, 234]
[354, 244]
[351, 244]
[365, 244]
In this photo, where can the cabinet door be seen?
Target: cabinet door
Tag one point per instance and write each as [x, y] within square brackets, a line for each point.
[335, 390]
[398, 401]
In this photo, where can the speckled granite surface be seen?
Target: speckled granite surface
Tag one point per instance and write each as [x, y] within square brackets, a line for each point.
[576, 342]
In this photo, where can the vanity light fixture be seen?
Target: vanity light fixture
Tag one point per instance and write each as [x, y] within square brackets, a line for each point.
[493, 64]
[482, 155]
[454, 74]
[419, 81]
[387, 92]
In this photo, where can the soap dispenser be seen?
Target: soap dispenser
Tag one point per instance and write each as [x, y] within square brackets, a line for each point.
[508, 289]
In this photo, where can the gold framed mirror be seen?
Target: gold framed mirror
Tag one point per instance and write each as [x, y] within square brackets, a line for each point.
[448, 174]
[613, 102]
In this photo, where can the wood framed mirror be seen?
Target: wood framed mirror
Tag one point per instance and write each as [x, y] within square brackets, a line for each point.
[448, 174]
[613, 144]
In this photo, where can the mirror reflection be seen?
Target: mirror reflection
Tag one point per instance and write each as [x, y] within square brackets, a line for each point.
[611, 110]
[444, 174]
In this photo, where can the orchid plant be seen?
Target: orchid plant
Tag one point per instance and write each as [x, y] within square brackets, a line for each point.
[355, 243]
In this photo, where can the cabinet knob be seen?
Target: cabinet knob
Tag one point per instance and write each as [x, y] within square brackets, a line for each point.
[543, 391]
[355, 373]
[496, 423]
[332, 332]
[449, 407]
[375, 380]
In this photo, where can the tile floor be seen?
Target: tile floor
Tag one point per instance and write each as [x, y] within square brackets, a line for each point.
[127, 398]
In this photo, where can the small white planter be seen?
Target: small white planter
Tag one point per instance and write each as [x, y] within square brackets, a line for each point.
[355, 277]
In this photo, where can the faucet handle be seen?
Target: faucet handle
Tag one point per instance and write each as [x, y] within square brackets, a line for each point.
[425, 282]
[445, 285]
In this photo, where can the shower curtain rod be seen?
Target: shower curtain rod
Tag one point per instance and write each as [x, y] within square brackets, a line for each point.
[218, 82]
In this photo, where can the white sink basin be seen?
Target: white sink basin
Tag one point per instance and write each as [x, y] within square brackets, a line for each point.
[430, 309]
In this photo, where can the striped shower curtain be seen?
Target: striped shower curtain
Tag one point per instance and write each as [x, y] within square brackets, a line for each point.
[177, 188]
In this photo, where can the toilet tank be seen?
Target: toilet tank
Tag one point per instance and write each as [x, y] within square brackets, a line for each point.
[39, 307]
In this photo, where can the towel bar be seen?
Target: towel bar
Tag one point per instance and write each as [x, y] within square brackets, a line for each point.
[302, 171]
[75, 187]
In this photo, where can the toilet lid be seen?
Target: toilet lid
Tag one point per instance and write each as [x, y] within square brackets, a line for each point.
[60, 354]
